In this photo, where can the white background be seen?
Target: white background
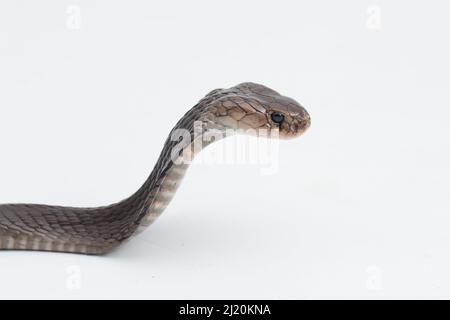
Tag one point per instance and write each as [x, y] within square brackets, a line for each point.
[359, 207]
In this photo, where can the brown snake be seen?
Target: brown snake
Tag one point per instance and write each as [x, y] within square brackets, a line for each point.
[99, 230]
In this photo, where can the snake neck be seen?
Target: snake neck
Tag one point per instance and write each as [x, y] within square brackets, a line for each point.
[194, 132]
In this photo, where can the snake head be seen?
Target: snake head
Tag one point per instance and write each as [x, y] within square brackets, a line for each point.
[250, 106]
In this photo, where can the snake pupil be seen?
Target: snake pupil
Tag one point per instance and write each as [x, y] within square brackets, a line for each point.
[277, 117]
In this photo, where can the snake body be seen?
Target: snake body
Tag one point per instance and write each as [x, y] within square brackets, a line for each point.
[100, 230]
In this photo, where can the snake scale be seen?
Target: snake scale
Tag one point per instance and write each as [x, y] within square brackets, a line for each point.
[245, 107]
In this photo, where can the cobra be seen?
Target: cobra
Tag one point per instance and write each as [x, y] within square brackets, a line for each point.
[100, 230]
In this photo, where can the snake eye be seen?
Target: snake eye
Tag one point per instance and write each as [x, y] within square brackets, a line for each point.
[277, 117]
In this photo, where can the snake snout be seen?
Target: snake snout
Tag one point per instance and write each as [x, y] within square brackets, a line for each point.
[305, 121]
[296, 121]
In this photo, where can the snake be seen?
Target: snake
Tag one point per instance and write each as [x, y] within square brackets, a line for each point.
[247, 108]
